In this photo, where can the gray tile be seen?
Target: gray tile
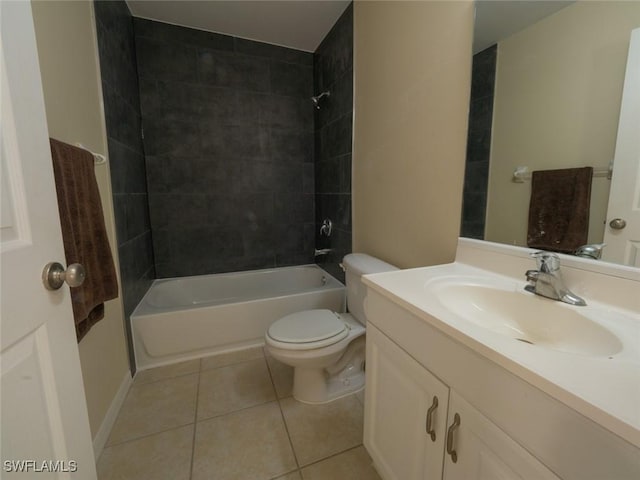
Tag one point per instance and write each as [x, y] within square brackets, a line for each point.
[291, 145]
[336, 137]
[223, 69]
[177, 34]
[164, 136]
[267, 50]
[232, 141]
[166, 61]
[291, 79]
[484, 72]
[122, 119]
[335, 53]
[296, 207]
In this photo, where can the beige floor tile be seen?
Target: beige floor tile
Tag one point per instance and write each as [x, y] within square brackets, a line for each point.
[353, 465]
[282, 377]
[318, 431]
[249, 444]
[227, 389]
[168, 371]
[154, 407]
[165, 455]
[360, 396]
[290, 476]
[231, 358]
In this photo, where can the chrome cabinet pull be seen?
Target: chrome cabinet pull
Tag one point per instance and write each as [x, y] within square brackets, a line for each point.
[452, 428]
[429, 425]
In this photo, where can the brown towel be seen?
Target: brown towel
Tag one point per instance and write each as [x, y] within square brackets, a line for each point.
[83, 233]
[559, 209]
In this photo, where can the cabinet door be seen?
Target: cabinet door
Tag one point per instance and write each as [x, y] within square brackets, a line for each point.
[399, 394]
[483, 451]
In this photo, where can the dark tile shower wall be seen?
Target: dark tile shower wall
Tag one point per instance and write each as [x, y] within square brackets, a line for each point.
[116, 47]
[476, 175]
[228, 135]
[333, 71]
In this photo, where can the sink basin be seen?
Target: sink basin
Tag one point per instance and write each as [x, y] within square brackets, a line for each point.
[529, 318]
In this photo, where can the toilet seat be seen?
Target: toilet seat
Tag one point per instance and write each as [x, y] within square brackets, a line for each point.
[307, 330]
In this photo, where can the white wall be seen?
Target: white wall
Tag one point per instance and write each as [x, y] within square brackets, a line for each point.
[67, 49]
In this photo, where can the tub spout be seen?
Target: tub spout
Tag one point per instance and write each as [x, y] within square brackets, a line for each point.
[322, 251]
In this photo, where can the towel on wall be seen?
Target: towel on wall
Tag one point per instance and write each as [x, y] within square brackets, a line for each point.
[559, 209]
[83, 233]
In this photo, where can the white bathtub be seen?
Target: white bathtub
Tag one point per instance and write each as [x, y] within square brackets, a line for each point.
[190, 317]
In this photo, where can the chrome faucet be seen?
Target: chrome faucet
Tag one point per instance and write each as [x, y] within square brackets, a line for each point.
[592, 250]
[547, 280]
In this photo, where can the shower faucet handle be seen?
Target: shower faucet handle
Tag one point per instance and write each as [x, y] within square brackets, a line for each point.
[327, 226]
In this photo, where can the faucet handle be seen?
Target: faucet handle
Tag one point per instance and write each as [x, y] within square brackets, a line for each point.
[547, 262]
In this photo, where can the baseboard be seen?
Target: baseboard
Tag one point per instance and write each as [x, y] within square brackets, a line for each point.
[104, 431]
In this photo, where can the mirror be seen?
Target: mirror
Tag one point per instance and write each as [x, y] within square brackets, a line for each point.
[546, 97]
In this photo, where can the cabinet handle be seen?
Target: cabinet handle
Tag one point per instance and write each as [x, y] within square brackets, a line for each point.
[429, 426]
[452, 428]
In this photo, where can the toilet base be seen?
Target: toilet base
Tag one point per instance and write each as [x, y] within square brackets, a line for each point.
[322, 385]
[311, 385]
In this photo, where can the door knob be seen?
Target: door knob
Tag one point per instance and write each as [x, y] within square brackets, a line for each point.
[617, 223]
[54, 275]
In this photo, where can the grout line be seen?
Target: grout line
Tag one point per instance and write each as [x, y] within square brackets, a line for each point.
[330, 456]
[202, 369]
[151, 382]
[206, 419]
[195, 426]
[129, 440]
[284, 421]
[297, 470]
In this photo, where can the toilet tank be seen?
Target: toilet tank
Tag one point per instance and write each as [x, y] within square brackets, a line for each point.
[356, 265]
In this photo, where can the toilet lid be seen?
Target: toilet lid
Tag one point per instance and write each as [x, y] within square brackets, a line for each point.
[310, 326]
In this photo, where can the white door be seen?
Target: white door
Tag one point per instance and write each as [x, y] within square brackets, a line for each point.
[43, 414]
[484, 452]
[399, 409]
[623, 244]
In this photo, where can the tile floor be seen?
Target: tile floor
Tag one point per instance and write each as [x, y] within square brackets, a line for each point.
[232, 416]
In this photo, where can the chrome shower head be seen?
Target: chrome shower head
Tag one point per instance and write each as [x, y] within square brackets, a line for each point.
[316, 99]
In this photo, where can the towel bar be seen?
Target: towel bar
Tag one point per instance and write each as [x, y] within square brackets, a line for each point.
[522, 174]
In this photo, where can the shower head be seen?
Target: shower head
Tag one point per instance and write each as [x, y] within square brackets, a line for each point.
[316, 99]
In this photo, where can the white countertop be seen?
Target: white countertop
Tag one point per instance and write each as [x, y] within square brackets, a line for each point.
[604, 388]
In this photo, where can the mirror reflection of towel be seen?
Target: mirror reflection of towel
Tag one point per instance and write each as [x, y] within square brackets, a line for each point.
[559, 209]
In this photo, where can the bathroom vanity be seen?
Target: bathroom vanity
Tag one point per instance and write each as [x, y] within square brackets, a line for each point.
[469, 376]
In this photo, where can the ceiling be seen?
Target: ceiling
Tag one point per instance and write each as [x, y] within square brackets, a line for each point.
[303, 24]
[295, 24]
[498, 19]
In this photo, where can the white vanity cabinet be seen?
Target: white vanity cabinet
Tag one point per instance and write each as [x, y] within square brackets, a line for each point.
[401, 413]
[483, 451]
[404, 403]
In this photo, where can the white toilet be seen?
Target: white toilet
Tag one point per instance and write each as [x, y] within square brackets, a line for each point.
[327, 349]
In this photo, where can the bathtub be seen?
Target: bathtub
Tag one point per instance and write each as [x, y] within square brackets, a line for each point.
[185, 318]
